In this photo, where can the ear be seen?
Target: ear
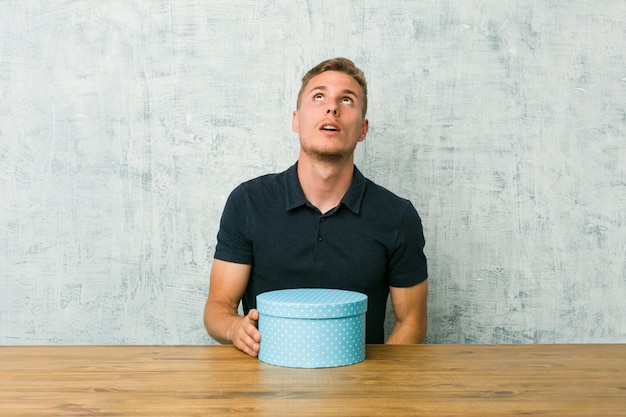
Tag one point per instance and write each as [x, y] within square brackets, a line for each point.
[295, 122]
[364, 128]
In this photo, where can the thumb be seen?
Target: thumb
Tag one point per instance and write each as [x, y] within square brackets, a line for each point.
[253, 314]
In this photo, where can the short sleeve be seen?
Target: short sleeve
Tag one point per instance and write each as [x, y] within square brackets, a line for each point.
[233, 238]
[407, 265]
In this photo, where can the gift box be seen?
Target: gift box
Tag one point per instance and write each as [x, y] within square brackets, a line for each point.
[312, 327]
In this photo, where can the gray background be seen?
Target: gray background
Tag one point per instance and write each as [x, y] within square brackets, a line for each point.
[125, 124]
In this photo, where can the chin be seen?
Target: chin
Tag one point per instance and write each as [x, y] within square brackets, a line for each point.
[329, 156]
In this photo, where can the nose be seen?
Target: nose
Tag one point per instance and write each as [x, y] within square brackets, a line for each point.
[332, 110]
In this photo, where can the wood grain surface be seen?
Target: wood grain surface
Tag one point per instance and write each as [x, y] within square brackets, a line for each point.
[429, 380]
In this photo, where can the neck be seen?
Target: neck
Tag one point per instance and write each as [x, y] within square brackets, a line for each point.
[324, 183]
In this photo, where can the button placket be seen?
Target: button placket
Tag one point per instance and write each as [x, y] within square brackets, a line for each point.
[319, 227]
[319, 236]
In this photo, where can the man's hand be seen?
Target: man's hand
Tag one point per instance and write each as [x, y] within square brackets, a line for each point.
[244, 333]
[221, 315]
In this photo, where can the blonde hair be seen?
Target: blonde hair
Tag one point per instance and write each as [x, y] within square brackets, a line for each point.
[341, 65]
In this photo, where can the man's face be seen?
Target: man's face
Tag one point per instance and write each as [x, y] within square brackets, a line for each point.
[329, 119]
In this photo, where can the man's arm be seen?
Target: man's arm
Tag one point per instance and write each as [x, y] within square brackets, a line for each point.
[221, 318]
[410, 307]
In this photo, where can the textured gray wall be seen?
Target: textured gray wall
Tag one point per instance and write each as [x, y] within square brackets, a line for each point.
[125, 124]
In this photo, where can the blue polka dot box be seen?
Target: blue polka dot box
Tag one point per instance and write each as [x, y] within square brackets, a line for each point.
[312, 327]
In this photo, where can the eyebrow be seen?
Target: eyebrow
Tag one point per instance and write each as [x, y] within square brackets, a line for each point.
[324, 88]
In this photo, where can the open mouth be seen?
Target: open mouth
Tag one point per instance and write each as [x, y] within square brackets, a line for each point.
[330, 128]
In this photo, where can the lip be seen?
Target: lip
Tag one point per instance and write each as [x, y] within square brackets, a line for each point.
[329, 123]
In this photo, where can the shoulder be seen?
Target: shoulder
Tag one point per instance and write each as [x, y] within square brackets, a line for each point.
[260, 186]
[380, 196]
[388, 208]
[261, 195]
[261, 182]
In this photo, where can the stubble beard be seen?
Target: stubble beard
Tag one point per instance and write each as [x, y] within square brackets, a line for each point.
[328, 156]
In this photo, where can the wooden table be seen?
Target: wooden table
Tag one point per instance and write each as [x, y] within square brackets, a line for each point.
[429, 380]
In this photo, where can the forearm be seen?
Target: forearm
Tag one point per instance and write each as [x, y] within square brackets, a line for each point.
[407, 333]
[219, 321]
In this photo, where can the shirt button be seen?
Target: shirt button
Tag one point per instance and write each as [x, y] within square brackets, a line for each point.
[319, 239]
[322, 219]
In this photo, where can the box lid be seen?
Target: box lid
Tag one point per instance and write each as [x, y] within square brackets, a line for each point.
[311, 303]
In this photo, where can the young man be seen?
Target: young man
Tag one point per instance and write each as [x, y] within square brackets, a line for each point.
[320, 224]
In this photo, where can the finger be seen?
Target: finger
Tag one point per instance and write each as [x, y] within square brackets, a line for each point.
[252, 328]
[248, 345]
[247, 337]
[253, 314]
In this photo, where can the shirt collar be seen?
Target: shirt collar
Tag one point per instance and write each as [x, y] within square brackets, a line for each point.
[295, 196]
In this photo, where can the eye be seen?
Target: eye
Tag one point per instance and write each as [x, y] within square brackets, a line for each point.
[318, 97]
[346, 100]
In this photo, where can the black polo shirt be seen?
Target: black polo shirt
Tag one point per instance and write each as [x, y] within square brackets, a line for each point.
[372, 240]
